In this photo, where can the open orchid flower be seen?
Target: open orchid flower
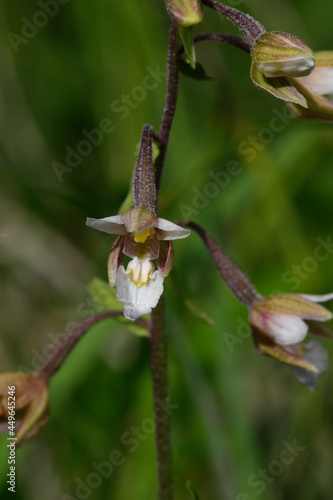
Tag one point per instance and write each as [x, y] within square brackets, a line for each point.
[281, 322]
[144, 237]
[281, 317]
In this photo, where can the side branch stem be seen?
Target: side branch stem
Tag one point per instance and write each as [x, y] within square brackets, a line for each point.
[69, 339]
[234, 277]
[251, 28]
[237, 41]
[158, 343]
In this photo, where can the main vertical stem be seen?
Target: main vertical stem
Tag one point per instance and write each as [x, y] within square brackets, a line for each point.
[170, 101]
[161, 402]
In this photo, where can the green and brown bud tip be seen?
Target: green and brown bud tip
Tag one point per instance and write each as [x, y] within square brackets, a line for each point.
[144, 187]
[279, 54]
[186, 13]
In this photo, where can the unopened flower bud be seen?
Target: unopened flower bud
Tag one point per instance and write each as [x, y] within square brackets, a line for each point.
[280, 54]
[276, 57]
[186, 13]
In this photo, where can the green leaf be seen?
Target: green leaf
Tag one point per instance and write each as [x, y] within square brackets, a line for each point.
[198, 313]
[191, 490]
[199, 73]
[106, 298]
[127, 204]
[190, 306]
[186, 35]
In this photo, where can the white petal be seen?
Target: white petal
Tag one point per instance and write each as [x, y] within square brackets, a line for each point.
[138, 300]
[320, 80]
[285, 330]
[296, 67]
[317, 355]
[318, 298]
[170, 231]
[111, 225]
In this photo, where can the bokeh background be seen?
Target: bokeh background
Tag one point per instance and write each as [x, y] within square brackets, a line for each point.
[233, 410]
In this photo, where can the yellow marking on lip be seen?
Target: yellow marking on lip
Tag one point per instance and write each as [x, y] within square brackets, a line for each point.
[140, 282]
[141, 237]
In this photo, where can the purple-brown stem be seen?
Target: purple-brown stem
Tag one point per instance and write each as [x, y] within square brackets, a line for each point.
[251, 28]
[234, 277]
[169, 104]
[69, 339]
[158, 344]
[237, 41]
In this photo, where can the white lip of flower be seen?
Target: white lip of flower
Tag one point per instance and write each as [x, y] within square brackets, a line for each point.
[138, 288]
[296, 67]
[281, 317]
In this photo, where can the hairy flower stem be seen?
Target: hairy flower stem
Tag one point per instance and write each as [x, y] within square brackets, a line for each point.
[65, 343]
[234, 277]
[170, 102]
[251, 28]
[158, 343]
[237, 41]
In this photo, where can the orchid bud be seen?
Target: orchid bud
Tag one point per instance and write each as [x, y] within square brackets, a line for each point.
[186, 13]
[276, 57]
[280, 54]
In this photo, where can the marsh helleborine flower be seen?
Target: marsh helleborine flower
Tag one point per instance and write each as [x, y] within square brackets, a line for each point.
[144, 238]
[276, 57]
[281, 322]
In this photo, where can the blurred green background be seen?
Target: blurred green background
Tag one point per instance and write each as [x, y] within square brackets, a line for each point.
[234, 411]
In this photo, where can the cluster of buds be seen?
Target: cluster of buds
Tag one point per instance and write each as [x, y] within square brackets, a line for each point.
[144, 238]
